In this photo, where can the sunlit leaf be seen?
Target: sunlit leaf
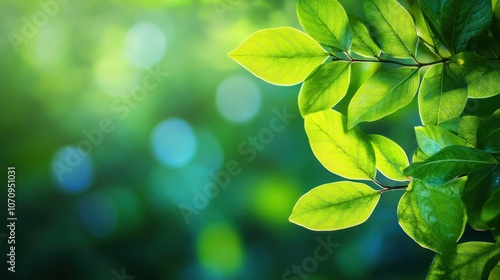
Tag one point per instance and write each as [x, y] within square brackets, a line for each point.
[465, 127]
[430, 222]
[442, 95]
[472, 260]
[482, 75]
[335, 206]
[390, 157]
[383, 94]
[392, 27]
[325, 88]
[449, 163]
[327, 22]
[495, 273]
[431, 139]
[282, 56]
[347, 153]
[362, 42]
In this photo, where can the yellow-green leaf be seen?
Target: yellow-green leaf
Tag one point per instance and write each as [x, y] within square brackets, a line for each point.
[347, 153]
[383, 94]
[325, 88]
[326, 21]
[442, 95]
[281, 56]
[392, 27]
[335, 206]
[390, 157]
[362, 42]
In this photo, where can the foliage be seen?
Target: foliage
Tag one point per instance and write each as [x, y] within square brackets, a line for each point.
[454, 176]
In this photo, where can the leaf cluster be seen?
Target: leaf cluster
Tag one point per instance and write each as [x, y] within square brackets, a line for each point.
[453, 178]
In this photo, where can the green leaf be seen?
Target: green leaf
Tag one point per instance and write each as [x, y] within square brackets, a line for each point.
[476, 191]
[335, 206]
[495, 25]
[465, 127]
[495, 273]
[347, 153]
[325, 88]
[449, 163]
[423, 28]
[488, 47]
[496, 234]
[281, 56]
[362, 42]
[391, 159]
[392, 27]
[463, 21]
[383, 94]
[419, 155]
[429, 221]
[442, 95]
[491, 209]
[482, 75]
[431, 10]
[431, 139]
[489, 135]
[473, 260]
[327, 22]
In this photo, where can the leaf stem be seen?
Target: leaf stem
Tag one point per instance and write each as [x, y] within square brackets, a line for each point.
[389, 188]
[416, 64]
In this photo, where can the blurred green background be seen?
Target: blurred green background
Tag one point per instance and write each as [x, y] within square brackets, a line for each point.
[117, 115]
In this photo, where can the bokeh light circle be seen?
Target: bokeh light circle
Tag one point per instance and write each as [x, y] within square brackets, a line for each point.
[72, 170]
[97, 214]
[238, 99]
[144, 45]
[173, 142]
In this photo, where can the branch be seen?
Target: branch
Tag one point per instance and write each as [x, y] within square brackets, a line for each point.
[379, 60]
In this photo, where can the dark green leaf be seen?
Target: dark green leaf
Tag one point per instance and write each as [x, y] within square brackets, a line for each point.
[462, 21]
[431, 139]
[325, 88]
[448, 164]
[383, 94]
[390, 157]
[392, 27]
[282, 56]
[488, 47]
[473, 260]
[491, 209]
[442, 95]
[327, 22]
[489, 135]
[431, 10]
[465, 127]
[478, 188]
[482, 75]
[430, 222]
[362, 42]
[347, 153]
[495, 25]
[335, 206]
